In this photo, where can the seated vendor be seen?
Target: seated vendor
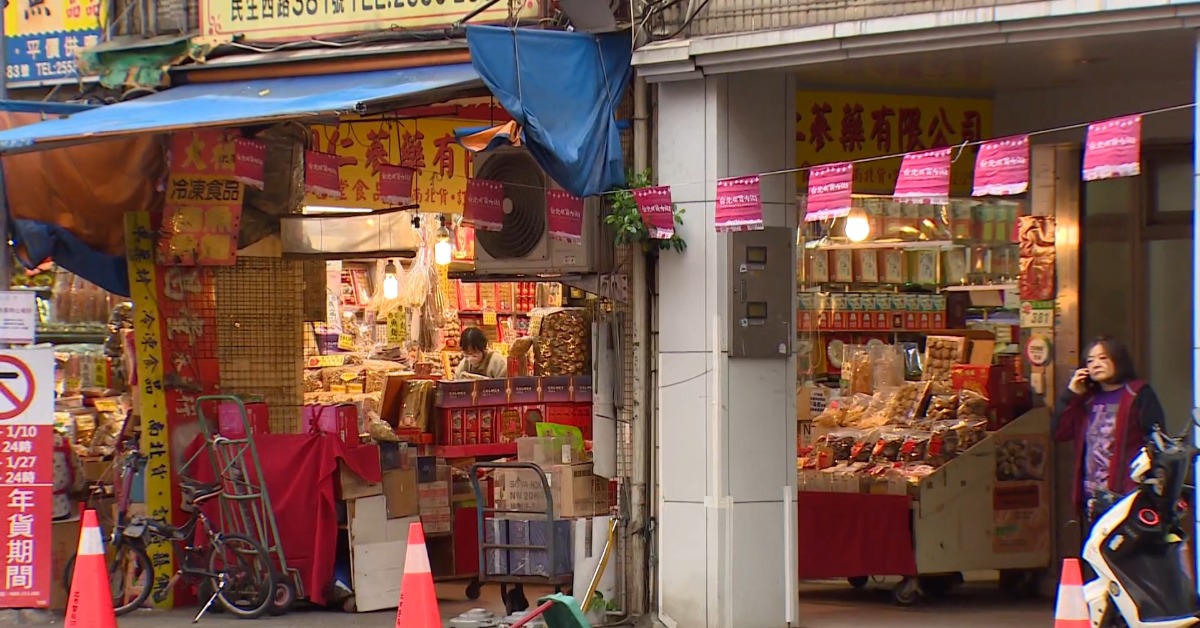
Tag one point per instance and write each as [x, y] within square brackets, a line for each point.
[478, 361]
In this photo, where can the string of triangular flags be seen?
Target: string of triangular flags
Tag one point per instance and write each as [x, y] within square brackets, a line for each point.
[1112, 149]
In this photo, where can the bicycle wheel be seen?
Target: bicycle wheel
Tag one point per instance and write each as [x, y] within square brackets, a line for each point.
[130, 576]
[245, 567]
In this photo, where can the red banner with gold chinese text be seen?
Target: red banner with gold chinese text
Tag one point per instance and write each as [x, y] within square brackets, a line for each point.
[203, 209]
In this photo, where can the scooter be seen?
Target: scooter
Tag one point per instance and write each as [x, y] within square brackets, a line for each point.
[1138, 546]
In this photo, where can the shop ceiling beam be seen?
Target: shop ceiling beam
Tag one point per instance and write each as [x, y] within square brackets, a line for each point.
[925, 32]
[331, 63]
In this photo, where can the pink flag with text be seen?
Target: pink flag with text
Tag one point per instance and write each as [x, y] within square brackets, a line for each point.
[564, 212]
[657, 211]
[249, 159]
[1002, 167]
[1113, 149]
[739, 204]
[829, 191]
[321, 174]
[483, 207]
[924, 177]
[396, 184]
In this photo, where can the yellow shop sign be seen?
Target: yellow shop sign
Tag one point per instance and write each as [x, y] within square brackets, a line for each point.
[836, 126]
[259, 20]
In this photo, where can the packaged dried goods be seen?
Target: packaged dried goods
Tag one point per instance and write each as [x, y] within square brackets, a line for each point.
[418, 404]
[564, 344]
[942, 353]
[857, 371]
[887, 366]
[972, 404]
[915, 447]
[942, 408]
[887, 448]
[842, 444]
[903, 407]
[912, 360]
[864, 445]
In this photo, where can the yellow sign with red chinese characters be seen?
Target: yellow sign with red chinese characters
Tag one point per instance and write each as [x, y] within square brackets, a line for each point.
[833, 127]
[426, 145]
[203, 210]
[151, 394]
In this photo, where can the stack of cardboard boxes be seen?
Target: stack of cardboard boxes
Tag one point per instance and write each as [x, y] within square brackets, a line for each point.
[541, 526]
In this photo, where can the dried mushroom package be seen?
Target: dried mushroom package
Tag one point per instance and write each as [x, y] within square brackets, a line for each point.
[563, 345]
[942, 353]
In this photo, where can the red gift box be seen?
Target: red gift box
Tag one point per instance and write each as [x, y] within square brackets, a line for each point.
[340, 420]
[229, 419]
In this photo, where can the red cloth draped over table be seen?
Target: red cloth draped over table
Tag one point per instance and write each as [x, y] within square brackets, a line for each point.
[842, 535]
[300, 472]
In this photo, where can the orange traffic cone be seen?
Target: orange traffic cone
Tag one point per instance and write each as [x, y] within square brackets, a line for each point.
[1071, 609]
[418, 598]
[90, 603]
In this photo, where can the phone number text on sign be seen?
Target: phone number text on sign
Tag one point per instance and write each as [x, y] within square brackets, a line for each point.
[26, 492]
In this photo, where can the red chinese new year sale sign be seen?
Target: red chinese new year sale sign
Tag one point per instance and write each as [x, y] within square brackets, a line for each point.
[26, 510]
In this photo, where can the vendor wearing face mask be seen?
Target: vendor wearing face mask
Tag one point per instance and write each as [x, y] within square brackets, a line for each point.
[478, 361]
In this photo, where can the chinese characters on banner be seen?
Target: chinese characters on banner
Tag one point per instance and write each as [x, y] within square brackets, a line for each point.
[282, 21]
[427, 146]
[395, 184]
[26, 475]
[250, 162]
[657, 211]
[1002, 167]
[924, 177]
[834, 127]
[203, 210]
[1036, 249]
[483, 208]
[149, 396]
[321, 174]
[564, 216]
[1113, 149]
[829, 191]
[44, 37]
[739, 204]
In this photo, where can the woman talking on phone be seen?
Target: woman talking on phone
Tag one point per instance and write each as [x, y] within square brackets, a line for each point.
[1109, 413]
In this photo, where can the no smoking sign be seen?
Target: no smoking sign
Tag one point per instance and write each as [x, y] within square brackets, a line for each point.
[27, 387]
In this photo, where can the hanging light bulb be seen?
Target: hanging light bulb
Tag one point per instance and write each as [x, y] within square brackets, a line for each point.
[858, 228]
[442, 247]
[391, 285]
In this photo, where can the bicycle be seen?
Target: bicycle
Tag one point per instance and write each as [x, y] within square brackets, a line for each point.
[244, 586]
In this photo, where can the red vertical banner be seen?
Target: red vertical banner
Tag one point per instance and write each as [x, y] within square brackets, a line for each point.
[464, 244]
[1113, 149]
[739, 204]
[483, 205]
[658, 212]
[321, 174]
[830, 190]
[924, 177]
[202, 213]
[188, 328]
[250, 160]
[26, 476]
[564, 214]
[1036, 279]
[1002, 167]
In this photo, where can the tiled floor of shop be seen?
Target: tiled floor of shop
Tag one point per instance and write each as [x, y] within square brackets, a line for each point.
[822, 606]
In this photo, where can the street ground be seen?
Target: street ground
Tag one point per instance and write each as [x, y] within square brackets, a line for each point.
[822, 606]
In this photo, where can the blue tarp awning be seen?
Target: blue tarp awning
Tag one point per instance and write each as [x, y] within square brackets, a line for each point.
[244, 103]
[563, 89]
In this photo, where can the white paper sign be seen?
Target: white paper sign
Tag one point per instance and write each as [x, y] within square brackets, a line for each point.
[18, 317]
[27, 387]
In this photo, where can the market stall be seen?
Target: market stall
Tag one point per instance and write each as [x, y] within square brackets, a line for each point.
[919, 454]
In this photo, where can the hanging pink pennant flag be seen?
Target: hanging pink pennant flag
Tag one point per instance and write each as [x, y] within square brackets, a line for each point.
[321, 174]
[829, 190]
[395, 184]
[1002, 167]
[1113, 149]
[657, 211]
[250, 157]
[739, 204]
[924, 177]
[564, 212]
[483, 207]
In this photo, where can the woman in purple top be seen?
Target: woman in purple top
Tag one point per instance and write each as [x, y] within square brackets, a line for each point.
[1109, 413]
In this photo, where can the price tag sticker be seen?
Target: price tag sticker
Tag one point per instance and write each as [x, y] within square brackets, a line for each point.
[397, 327]
[346, 342]
[326, 361]
[1037, 314]
[489, 318]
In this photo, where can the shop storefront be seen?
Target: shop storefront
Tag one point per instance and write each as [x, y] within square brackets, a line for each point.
[333, 338]
[945, 302]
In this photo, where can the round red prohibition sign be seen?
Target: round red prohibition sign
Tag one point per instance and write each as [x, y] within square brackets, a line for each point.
[20, 402]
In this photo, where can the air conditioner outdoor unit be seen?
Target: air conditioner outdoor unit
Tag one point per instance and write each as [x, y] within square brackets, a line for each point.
[523, 246]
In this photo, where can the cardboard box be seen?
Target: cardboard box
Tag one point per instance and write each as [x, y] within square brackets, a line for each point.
[400, 491]
[433, 495]
[64, 539]
[545, 451]
[351, 486]
[540, 562]
[572, 489]
[437, 520]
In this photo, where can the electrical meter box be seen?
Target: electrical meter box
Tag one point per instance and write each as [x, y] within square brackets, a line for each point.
[761, 282]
